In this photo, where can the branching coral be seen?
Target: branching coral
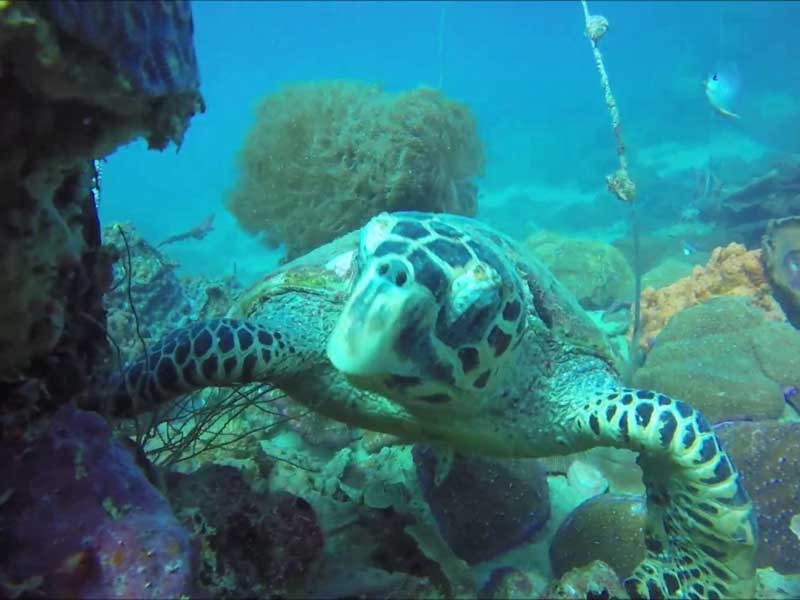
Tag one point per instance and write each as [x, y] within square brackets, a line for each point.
[324, 157]
[731, 271]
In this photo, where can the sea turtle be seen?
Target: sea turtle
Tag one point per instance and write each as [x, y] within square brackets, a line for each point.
[435, 327]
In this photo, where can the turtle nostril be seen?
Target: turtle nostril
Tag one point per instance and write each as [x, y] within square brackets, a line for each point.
[401, 279]
[383, 269]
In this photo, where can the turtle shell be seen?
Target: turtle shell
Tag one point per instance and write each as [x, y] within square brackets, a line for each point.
[328, 270]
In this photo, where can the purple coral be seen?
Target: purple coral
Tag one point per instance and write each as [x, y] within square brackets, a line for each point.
[80, 519]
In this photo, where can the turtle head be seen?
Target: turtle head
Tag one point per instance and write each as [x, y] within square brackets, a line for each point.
[434, 314]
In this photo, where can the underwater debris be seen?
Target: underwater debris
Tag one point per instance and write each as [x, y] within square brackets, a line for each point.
[619, 183]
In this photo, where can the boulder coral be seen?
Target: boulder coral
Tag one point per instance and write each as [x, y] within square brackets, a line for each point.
[731, 271]
[725, 359]
[596, 273]
[484, 507]
[607, 527]
[324, 157]
[768, 456]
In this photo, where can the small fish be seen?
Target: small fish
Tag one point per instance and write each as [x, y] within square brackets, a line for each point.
[721, 89]
[689, 248]
[196, 233]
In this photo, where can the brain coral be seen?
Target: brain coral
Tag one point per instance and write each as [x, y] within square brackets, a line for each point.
[768, 457]
[731, 271]
[324, 157]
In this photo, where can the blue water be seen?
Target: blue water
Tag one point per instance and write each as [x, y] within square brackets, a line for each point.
[524, 68]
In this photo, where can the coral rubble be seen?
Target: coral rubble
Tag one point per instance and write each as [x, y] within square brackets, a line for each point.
[745, 212]
[254, 544]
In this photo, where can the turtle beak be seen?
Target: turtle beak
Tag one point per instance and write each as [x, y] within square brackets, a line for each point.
[364, 339]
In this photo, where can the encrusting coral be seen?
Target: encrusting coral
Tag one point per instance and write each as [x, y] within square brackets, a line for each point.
[731, 271]
[325, 157]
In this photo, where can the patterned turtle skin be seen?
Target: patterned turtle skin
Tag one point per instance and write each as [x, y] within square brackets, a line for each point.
[435, 328]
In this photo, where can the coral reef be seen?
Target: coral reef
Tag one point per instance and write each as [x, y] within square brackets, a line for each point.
[607, 527]
[666, 273]
[726, 359]
[484, 507]
[325, 157]
[731, 271]
[162, 300]
[781, 248]
[254, 544]
[53, 273]
[768, 457]
[745, 212]
[79, 518]
[78, 80]
[596, 273]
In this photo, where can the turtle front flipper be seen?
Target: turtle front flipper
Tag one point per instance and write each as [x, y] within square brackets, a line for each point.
[701, 530]
[215, 353]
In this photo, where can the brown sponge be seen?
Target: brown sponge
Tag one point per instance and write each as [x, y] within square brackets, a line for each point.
[325, 157]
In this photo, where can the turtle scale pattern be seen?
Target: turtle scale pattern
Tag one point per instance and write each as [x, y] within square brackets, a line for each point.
[700, 529]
